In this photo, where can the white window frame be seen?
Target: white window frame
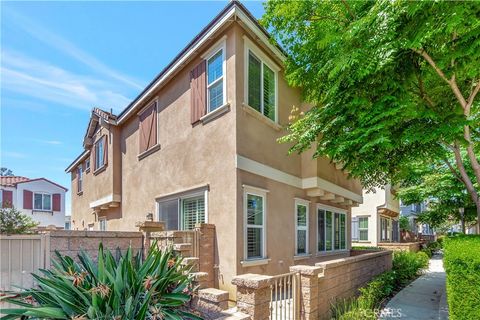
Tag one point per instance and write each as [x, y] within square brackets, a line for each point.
[333, 210]
[80, 178]
[363, 229]
[219, 46]
[100, 221]
[97, 158]
[87, 167]
[259, 192]
[179, 197]
[264, 59]
[305, 203]
[43, 195]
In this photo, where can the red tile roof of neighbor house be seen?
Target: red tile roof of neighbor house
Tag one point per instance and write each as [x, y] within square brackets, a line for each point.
[12, 181]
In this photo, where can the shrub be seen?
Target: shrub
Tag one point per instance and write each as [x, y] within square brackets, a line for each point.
[378, 289]
[404, 223]
[123, 288]
[462, 264]
[352, 309]
[12, 221]
[407, 265]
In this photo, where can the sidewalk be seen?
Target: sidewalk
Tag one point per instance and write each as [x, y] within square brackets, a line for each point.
[424, 298]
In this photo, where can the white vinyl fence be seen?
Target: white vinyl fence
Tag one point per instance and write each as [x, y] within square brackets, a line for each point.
[20, 255]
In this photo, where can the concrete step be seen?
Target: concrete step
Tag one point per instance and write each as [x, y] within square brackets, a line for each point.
[191, 262]
[182, 247]
[200, 279]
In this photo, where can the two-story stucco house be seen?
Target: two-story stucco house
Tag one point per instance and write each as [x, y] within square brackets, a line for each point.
[40, 199]
[375, 221]
[199, 144]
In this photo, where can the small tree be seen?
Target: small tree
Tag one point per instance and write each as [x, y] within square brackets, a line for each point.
[12, 221]
[404, 223]
[5, 172]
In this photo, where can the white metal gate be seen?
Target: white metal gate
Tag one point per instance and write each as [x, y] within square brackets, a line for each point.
[21, 255]
[285, 297]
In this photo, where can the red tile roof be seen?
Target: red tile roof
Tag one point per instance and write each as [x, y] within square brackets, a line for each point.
[11, 181]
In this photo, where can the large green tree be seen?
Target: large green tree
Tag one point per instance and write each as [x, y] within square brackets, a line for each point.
[391, 82]
[448, 200]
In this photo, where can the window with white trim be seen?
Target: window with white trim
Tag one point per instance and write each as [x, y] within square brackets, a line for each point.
[99, 153]
[87, 165]
[183, 212]
[216, 80]
[42, 201]
[261, 86]
[80, 178]
[102, 224]
[331, 230]
[363, 228]
[255, 210]
[301, 226]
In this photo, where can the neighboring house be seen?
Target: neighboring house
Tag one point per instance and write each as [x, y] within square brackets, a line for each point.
[375, 221]
[199, 144]
[411, 212]
[40, 199]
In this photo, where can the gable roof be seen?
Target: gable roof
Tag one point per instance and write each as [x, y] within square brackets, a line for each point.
[13, 181]
[233, 11]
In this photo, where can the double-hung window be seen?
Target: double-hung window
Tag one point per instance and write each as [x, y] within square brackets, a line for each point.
[261, 85]
[363, 228]
[216, 80]
[102, 224]
[301, 226]
[42, 201]
[255, 211]
[331, 230]
[80, 178]
[183, 212]
[100, 154]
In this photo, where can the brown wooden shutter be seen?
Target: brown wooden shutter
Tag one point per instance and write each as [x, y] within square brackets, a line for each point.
[198, 87]
[27, 199]
[148, 128]
[56, 202]
[7, 198]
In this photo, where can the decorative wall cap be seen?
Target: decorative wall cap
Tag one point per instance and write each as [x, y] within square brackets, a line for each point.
[252, 281]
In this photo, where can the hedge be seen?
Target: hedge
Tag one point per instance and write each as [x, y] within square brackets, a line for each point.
[462, 265]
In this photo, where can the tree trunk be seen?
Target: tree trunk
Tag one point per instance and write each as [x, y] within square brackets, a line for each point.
[462, 220]
[477, 203]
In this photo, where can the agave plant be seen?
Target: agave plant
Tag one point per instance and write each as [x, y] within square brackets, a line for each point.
[124, 288]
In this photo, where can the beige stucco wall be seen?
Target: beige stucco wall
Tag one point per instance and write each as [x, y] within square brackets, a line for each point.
[205, 154]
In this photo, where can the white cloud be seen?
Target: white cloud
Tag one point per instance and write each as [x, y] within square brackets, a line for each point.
[41, 80]
[51, 142]
[46, 36]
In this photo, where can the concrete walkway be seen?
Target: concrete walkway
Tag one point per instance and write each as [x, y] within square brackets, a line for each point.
[424, 298]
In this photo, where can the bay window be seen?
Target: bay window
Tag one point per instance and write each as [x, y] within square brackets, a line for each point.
[331, 230]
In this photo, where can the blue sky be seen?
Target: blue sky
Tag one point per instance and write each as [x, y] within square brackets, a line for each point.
[60, 59]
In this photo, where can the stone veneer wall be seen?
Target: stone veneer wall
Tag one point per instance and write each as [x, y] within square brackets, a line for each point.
[398, 246]
[72, 242]
[320, 285]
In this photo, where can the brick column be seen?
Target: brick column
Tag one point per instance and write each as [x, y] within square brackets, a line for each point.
[308, 290]
[253, 295]
[206, 259]
[147, 227]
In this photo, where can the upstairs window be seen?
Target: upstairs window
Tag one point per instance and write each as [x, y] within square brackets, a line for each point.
[100, 153]
[215, 80]
[42, 201]
[79, 179]
[102, 224]
[261, 86]
[87, 165]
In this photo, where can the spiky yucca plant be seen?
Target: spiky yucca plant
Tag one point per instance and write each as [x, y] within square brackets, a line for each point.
[124, 288]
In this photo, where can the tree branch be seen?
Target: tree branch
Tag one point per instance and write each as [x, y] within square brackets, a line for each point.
[348, 9]
[452, 82]
[472, 97]
[452, 169]
[423, 95]
[463, 173]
